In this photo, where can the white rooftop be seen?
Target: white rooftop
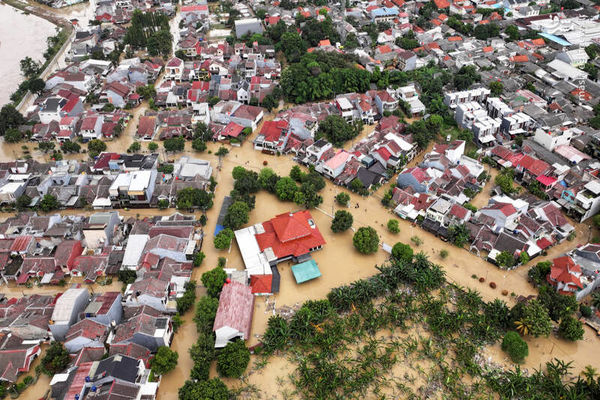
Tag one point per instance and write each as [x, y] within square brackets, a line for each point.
[134, 249]
[255, 261]
[65, 304]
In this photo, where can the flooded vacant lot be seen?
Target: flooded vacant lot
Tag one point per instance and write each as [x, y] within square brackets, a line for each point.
[21, 36]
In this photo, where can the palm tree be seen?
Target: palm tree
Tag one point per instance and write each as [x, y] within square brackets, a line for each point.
[589, 374]
[596, 300]
[522, 327]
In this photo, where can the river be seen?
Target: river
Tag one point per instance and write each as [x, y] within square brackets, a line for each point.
[21, 35]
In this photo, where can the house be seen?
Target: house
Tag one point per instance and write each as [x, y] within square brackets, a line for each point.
[11, 191]
[91, 127]
[247, 116]
[105, 308]
[272, 137]
[174, 69]
[133, 188]
[148, 328]
[85, 333]
[16, 356]
[116, 94]
[151, 292]
[289, 236]
[234, 314]
[504, 214]
[147, 127]
[99, 229]
[66, 311]
[552, 138]
[565, 275]
[334, 166]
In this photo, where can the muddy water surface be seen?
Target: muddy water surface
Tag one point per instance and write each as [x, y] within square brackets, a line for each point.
[20, 36]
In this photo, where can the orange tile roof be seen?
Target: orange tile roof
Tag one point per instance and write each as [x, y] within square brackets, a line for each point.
[519, 58]
[488, 49]
[455, 39]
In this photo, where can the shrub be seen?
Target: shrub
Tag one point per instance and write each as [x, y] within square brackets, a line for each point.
[223, 239]
[570, 328]
[586, 311]
[342, 198]
[515, 346]
[214, 280]
[402, 252]
[213, 389]
[198, 258]
[152, 146]
[206, 310]
[341, 221]
[444, 254]
[164, 361]
[366, 240]
[233, 359]
[221, 261]
[393, 226]
[55, 360]
[163, 204]
[416, 240]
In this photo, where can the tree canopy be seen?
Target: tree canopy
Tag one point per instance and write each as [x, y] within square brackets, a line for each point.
[515, 346]
[214, 280]
[237, 215]
[341, 221]
[337, 130]
[164, 360]
[212, 389]
[233, 359]
[189, 198]
[366, 240]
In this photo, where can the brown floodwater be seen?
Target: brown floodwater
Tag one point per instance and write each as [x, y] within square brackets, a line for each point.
[339, 264]
[15, 45]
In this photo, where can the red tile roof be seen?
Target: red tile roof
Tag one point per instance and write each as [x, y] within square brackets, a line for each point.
[290, 234]
[441, 4]
[261, 283]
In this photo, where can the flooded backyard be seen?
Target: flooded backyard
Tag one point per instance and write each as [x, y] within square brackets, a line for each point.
[21, 36]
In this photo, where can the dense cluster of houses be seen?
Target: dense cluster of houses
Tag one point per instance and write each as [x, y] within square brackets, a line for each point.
[111, 334]
[110, 181]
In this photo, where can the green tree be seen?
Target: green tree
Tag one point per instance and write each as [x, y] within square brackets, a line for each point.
[459, 235]
[366, 240]
[267, 178]
[199, 145]
[213, 389]
[534, 319]
[337, 130]
[286, 189]
[203, 132]
[29, 67]
[402, 252]
[513, 32]
[515, 346]
[163, 204]
[49, 203]
[37, 86]
[496, 88]
[237, 215]
[199, 258]
[134, 148]
[13, 135]
[127, 276]
[571, 329]
[270, 102]
[524, 258]
[206, 310]
[164, 360]
[505, 259]
[147, 92]
[174, 145]
[223, 239]
[214, 280]
[342, 198]
[341, 221]
[222, 152]
[189, 198]
[233, 359]
[160, 43]
[10, 117]
[23, 202]
[70, 147]
[95, 147]
[55, 360]
[152, 146]
[393, 226]
[538, 273]
[296, 173]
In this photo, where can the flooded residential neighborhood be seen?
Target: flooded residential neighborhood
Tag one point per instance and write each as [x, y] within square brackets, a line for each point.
[314, 200]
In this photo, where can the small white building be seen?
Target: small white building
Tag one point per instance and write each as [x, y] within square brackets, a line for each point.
[68, 306]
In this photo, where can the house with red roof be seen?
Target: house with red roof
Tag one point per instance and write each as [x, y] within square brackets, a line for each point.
[503, 214]
[234, 314]
[289, 236]
[272, 137]
[16, 356]
[565, 275]
[85, 333]
[334, 166]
